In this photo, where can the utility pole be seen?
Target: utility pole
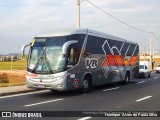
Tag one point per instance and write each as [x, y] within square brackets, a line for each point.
[151, 48]
[144, 53]
[153, 54]
[78, 13]
[11, 62]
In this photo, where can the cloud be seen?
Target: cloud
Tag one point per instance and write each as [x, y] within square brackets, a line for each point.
[21, 20]
[31, 18]
[136, 9]
[43, 2]
[38, 11]
[129, 11]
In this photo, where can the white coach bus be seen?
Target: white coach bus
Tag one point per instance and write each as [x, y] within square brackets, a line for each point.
[79, 59]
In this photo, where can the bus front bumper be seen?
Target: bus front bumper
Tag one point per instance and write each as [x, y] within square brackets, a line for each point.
[58, 84]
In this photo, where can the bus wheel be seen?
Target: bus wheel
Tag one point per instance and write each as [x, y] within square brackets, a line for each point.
[54, 91]
[127, 78]
[86, 85]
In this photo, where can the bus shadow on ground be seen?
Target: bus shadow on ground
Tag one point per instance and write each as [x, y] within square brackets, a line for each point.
[95, 89]
[78, 92]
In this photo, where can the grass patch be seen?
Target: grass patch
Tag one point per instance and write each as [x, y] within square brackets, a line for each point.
[18, 65]
[13, 74]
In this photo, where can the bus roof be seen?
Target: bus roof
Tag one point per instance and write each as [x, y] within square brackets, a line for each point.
[63, 32]
[69, 31]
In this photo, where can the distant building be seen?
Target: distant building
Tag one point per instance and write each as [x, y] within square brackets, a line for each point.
[7, 58]
[1, 58]
[146, 56]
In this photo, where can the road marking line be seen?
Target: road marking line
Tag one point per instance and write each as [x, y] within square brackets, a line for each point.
[155, 78]
[143, 98]
[110, 89]
[85, 118]
[43, 102]
[21, 94]
[140, 82]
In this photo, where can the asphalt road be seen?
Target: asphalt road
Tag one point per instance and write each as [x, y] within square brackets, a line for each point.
[138, 95]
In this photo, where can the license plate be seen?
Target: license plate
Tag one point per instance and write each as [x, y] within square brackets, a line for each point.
[40, 86]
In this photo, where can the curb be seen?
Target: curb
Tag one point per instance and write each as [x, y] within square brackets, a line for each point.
[18, 92]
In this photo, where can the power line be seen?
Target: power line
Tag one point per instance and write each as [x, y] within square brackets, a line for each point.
[155, 36]
[122, 21]
[116, 18]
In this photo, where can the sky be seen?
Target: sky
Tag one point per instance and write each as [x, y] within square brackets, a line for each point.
[22, 20]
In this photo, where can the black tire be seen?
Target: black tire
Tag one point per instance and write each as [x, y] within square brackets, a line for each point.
[127, 78]
[54, 91]
[149, 75]
[86, 85]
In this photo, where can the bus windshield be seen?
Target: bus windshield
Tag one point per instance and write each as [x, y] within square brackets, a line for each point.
[46, 55]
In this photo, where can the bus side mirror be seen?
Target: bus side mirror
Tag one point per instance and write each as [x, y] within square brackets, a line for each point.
[66, 45]
[23, 48]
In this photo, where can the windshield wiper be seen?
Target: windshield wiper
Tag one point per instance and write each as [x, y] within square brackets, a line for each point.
[48, 65]
[43, 60]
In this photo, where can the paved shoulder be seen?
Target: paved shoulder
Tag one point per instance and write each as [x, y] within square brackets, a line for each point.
[14, 90]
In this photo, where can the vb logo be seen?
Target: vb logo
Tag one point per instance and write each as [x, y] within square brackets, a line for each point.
[91, 63]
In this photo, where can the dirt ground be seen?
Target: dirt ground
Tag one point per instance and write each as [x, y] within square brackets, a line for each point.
[18, 72]
[12, 76]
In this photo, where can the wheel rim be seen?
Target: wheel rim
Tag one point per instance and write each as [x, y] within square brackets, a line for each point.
[85, 83]
[127, 78]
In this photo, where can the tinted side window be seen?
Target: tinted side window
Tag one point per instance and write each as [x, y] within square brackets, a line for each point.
[136, 51]
[80, 38]
[106, 47]
[115, 43]
[56, 41]
[40, 42]
[78, 46]
[72, 60]
[117, 46]
[94, 45]
[124, 49]
[131, 50]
